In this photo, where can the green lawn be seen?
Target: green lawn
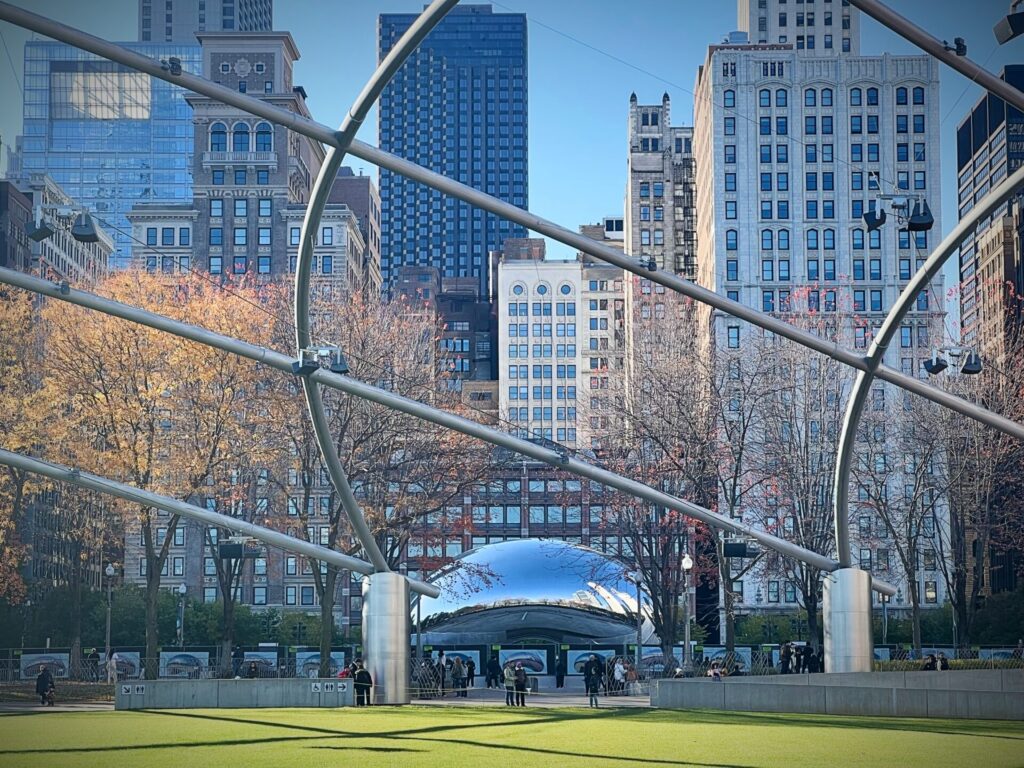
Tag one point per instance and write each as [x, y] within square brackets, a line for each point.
[488, 736]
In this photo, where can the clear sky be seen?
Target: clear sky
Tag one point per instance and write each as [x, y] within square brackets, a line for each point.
[586, 56]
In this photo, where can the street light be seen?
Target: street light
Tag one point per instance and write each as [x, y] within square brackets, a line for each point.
[1011, 25]
[83, 229]
[635, 578]
[182, 591]
[916, 218]
[936, 364]
[109, 573]
[687, 656]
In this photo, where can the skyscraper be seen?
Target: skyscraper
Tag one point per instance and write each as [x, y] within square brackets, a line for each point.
[178, 21]
[793, 144]
[109, 136]
[458, 107]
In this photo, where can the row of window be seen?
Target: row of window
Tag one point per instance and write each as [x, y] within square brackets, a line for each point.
[824, 97]
[264, 207]
[167, 236]
[779, 239]
[239, 264]
[542, 392]
[542, 308]
[243, 137]
[522, 351]
[541, 289]
[543, 371]
[520, 330]
[241, 176]
[816, 273]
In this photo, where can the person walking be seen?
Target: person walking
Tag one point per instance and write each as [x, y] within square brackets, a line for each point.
[560, 671]
[520, 685]
[632, 680]
[619, 672]
[45, 687]
[237, 657]
[510, 685]
[441, 672]
[459, 678]
[493, 672]
[363, 683]
[593, 673]
[786, 655]
[470, 673]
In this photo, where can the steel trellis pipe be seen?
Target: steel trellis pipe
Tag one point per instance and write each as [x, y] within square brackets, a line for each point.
[859, 395]
[349, 385]
[175, 507]
[378, 157]
[310, 225]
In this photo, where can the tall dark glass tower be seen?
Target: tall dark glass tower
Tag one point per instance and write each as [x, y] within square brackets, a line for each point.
[458, 107]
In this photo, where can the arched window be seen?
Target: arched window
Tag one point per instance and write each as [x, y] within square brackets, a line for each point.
[731, 240]
[830, 239]
[764, 98]
[810, 97]
[218, 137]
[264, 138]
[872, 97]
[813, 243]
[729, 99]
[857, 239]
[826, 97]
[919, 95]
[781, 98]
[783, 239]
[767, 239]
[518, 289]
[240, 138]
[855, 97]
[901, 95]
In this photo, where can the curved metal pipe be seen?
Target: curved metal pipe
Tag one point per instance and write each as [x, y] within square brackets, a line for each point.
[135, 495]
[423, 411]
[862, 386]
[304, 265]
[322, 133]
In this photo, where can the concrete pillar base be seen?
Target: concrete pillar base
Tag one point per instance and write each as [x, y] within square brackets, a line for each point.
[849, 646]
[386, 636]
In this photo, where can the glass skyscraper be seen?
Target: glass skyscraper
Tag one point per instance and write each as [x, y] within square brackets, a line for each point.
[458, 107]
[109, 136]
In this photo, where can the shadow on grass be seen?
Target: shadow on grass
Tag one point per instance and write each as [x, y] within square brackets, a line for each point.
[990, 729]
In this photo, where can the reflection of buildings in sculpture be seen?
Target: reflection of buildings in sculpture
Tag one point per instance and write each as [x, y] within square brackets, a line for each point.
[532, 589]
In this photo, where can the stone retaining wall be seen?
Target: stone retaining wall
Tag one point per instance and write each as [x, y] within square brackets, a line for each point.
[975, 694]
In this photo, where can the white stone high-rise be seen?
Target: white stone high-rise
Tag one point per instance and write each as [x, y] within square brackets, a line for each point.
[793, 142]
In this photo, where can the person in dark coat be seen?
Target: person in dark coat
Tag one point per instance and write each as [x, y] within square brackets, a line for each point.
[786, 656]
[45, 687]
[593, 677]
[253, 670]
[470, 673]
[821, 659]
[363, 683]
[812, 661]
[520, 684]
[493, 672]
[560, 672]
[930, 663]
[441, 671]
[237, 659]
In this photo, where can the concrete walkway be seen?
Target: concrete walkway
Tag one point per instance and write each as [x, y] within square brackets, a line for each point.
[30, 706]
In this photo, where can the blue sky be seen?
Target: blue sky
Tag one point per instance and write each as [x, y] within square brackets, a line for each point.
[586, 56]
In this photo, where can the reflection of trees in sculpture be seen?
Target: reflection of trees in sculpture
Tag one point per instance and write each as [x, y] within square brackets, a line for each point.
[162, 413]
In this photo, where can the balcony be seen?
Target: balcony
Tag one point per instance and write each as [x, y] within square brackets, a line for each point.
[240, 158]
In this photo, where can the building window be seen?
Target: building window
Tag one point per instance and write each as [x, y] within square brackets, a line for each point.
[218, 138]
[734, 337]
[151, 236]
[240, 264]
[307, 595]
[240, 137]
[259, 595]
[264, 138]
[264, 207]
[240, 178]
[931, 593]
[327, 236]
[218, 177]
[263, 236]
[263, 177]
[241, 236]
[729, 99]
[216, 236]
[216, 265]
[184, 236]
[241, 207]
[327, 266]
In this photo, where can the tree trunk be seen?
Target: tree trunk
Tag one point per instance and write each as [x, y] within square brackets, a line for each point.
[152, 626]
[227, 635]
[76, 617]
[811, 604]
[327, 621]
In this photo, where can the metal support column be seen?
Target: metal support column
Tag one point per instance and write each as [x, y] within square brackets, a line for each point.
[847, 610]
[386, 636]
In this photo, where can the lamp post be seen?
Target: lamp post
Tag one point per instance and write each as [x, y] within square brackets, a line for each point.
[109, 573]
[687, 655]
[635, 578]
[182, 591]
[885, 619]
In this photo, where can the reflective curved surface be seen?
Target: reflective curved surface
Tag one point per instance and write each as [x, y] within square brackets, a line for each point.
[531, 574]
